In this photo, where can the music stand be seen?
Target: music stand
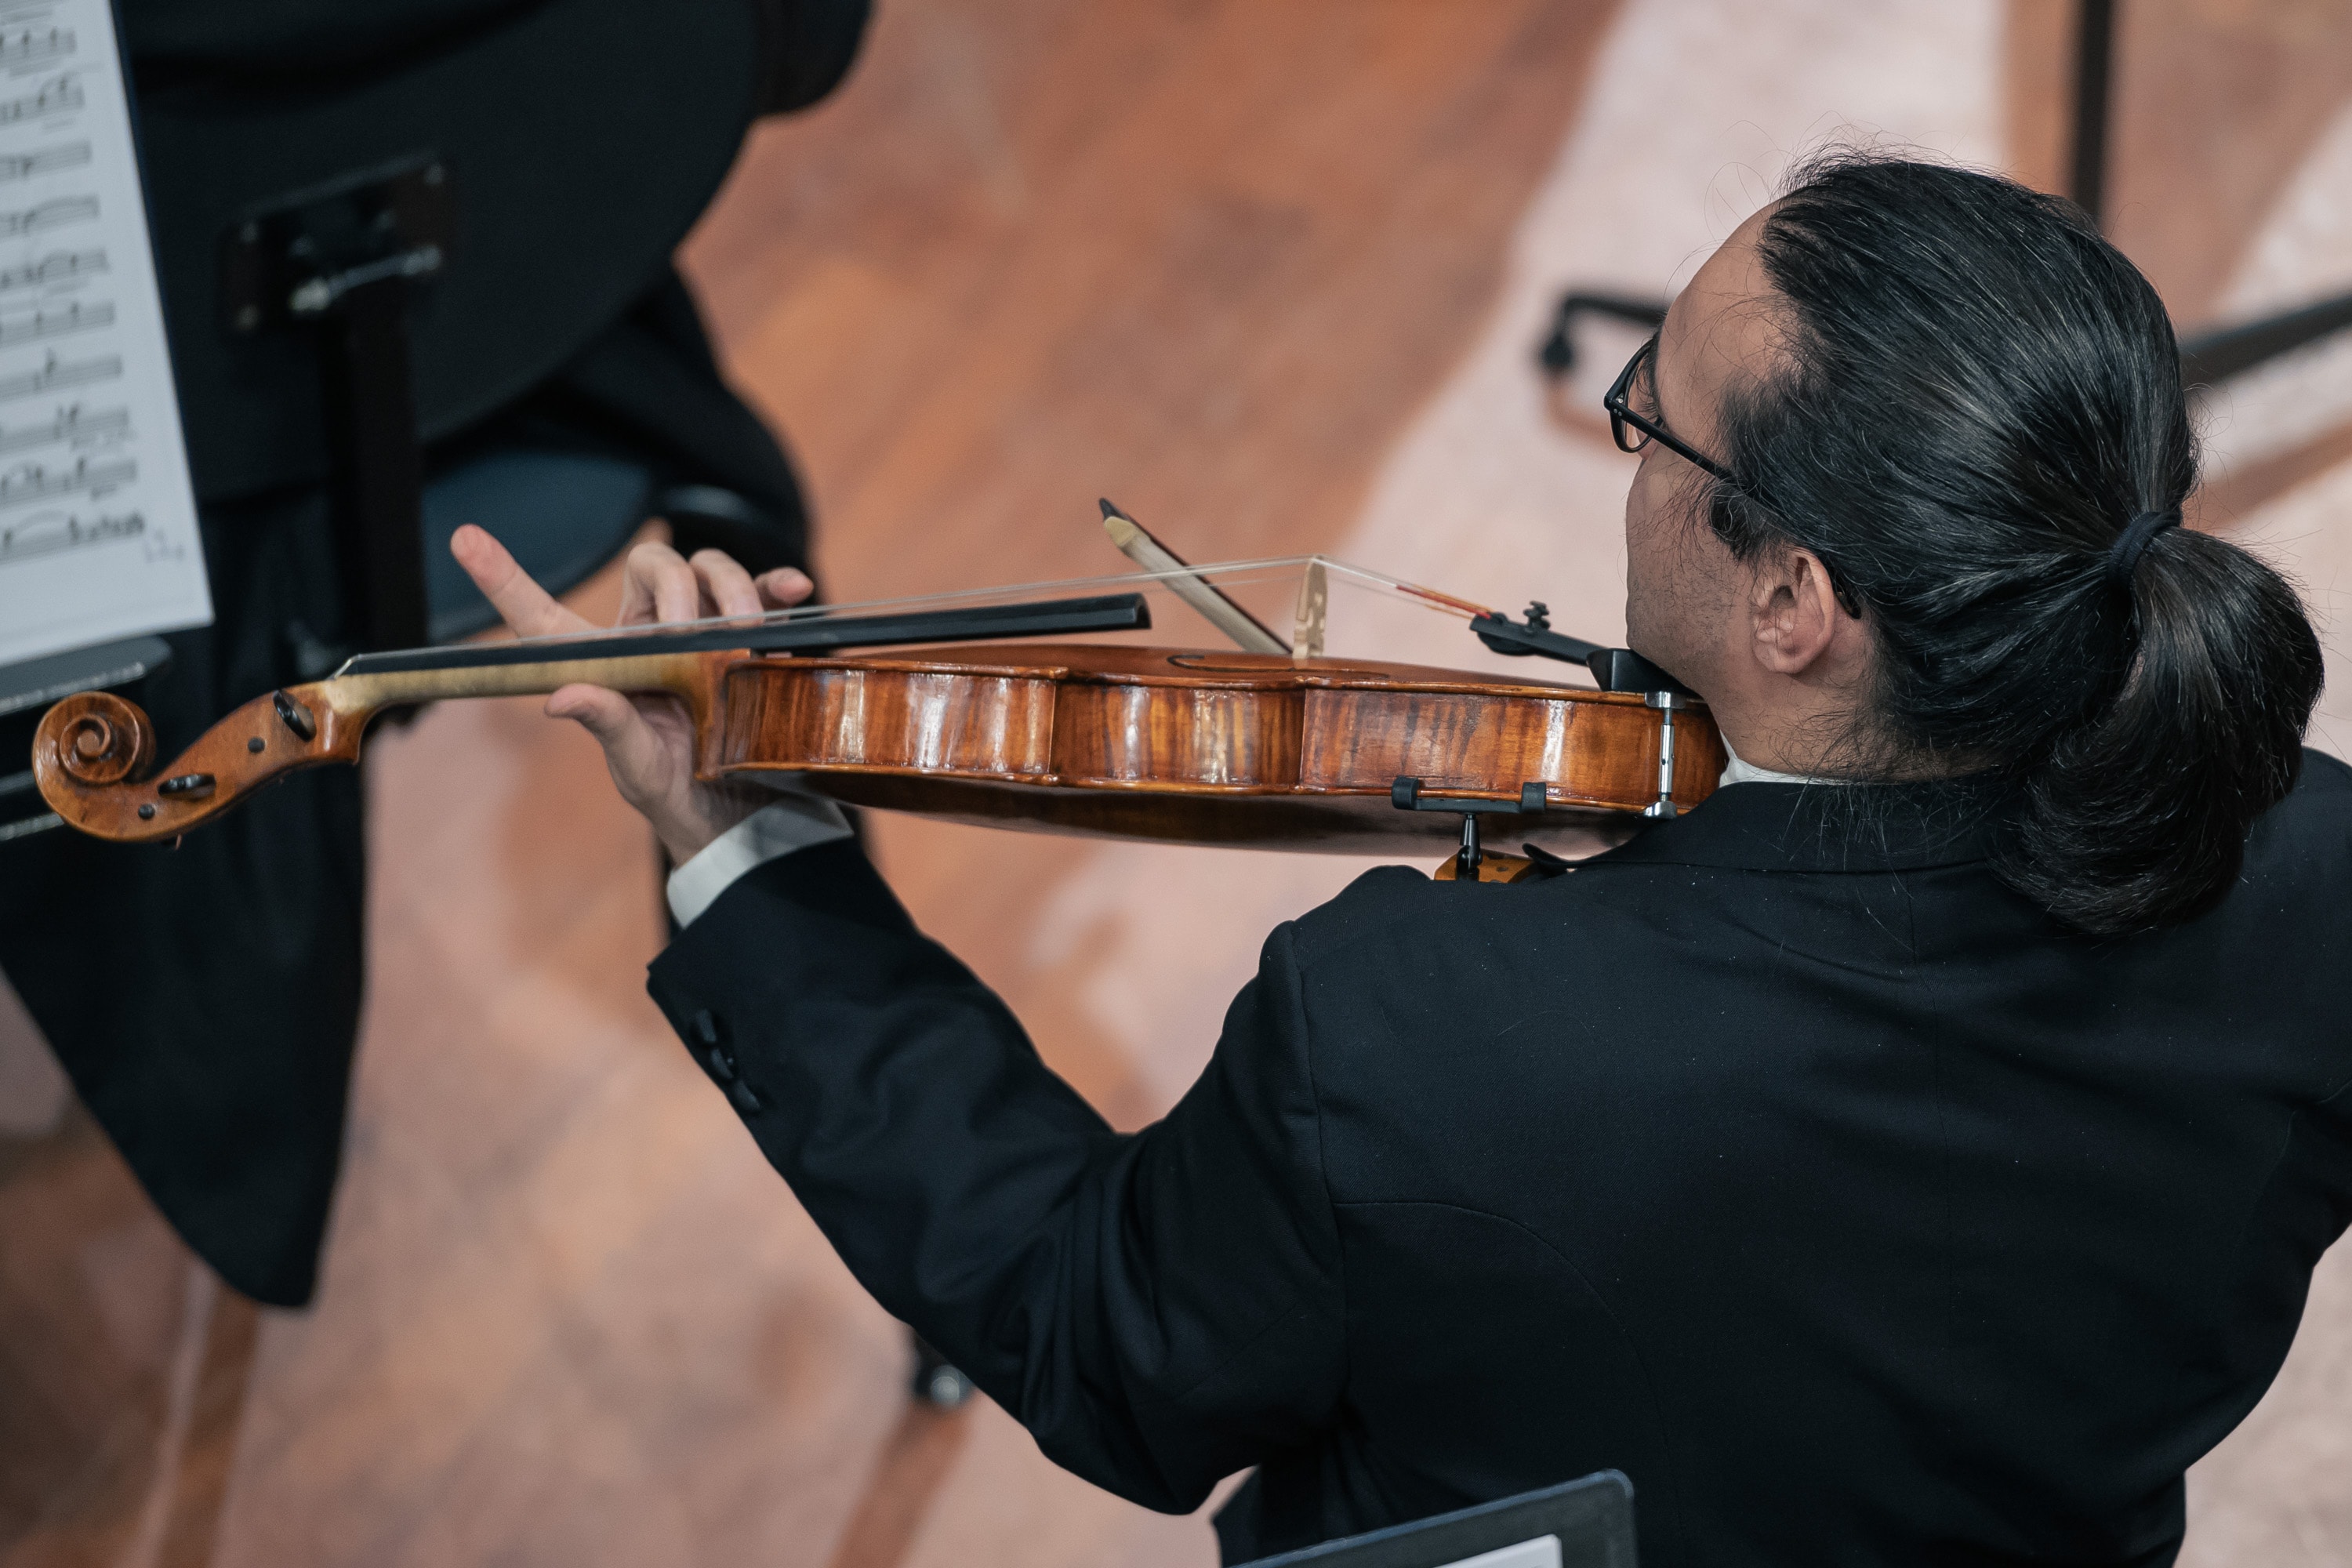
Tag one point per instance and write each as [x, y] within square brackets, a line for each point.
[2213, 354]
[1585, 1523]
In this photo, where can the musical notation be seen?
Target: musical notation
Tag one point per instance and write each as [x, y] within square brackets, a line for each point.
[29, 47]
[53, 214]
[34, 481]
[91, 450]
[56, 375]
[59, 95]
[50, 532]
[55, 320]
[72, 426]
[54, 270]
[44, 160]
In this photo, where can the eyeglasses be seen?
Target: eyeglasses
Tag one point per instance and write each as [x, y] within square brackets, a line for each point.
[1634, 431]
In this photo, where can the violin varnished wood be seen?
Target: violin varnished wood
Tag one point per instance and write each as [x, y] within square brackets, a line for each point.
[1493, 867]
[1237, 819]
[1201, 747]
[1115, 741]
[90, 782]
[1595, 750]
[1113, 733]
[838, 713]
[93, 753]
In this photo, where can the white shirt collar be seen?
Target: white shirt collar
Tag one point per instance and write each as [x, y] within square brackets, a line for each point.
[1736, 771]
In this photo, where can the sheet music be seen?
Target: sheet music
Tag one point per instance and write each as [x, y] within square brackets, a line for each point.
[98, 518]
[1543, 1552]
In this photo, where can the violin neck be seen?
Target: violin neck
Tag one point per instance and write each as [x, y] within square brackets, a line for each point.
[357, 696]
[94, 756]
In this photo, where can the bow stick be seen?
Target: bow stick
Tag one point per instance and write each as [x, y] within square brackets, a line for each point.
[1135, 541]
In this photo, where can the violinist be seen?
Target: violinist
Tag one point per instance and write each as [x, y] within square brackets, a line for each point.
[1916, 1153]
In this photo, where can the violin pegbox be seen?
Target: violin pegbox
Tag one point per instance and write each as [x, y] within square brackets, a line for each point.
[94, 758]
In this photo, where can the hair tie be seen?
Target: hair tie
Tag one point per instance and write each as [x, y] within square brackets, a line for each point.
[2123, 555]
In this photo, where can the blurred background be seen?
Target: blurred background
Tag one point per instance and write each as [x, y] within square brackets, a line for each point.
[1273, 276]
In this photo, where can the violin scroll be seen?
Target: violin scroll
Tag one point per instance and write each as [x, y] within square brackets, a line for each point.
[100, 738]
[94, 756]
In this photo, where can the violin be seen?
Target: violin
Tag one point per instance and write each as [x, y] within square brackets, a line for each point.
[931, 710]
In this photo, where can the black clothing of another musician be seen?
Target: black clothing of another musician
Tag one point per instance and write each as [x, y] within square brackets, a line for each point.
[1784, 1159]
[221, 1072]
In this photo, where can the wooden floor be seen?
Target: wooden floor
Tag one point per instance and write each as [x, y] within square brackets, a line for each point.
[1269, 275]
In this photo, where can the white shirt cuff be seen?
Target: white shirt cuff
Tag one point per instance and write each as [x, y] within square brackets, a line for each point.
[798, 820]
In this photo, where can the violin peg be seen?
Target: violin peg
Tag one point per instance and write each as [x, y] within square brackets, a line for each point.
[94, 756]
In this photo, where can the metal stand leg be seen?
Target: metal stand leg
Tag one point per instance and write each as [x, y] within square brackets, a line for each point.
[2095, 55]
[341, 260]
[379, 472]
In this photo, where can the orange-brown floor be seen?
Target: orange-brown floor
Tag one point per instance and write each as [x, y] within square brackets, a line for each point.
[1269, 276]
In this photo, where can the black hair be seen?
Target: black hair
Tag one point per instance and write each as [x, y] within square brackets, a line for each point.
[1973, 396]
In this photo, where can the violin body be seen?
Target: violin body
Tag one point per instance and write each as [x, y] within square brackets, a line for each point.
[1100, 740]
[1198, 747]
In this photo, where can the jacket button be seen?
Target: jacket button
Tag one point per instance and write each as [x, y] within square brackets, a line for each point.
[709, 1040]
[748, 1101]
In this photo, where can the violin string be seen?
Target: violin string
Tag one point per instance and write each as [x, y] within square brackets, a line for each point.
[1262, 567]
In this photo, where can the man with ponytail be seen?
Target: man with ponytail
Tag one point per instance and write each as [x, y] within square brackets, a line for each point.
[1952, 399]
[1916, 1153]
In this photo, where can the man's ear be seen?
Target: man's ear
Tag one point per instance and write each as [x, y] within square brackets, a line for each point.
[1793, 610]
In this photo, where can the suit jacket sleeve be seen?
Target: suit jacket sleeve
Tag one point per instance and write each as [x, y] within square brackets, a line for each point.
[1160, 1309]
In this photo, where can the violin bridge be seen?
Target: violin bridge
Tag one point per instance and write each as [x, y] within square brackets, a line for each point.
[1314, 600]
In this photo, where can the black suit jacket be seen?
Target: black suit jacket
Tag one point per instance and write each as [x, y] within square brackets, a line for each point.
[1782, 1159]
[220, 1072]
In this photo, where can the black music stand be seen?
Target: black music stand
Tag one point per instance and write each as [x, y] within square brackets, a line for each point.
[1587, 1523]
